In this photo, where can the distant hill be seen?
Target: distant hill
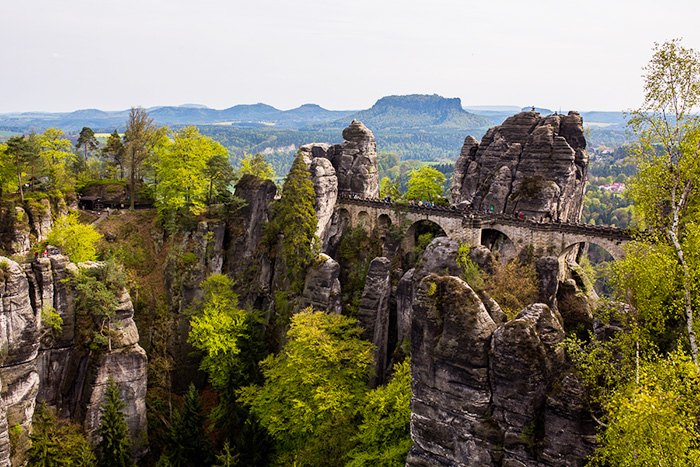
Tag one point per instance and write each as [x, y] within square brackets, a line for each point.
[188, 114]
[413, 112]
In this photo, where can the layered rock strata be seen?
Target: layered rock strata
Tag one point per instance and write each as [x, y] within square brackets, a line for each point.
[38, 364]
[322, 286]
[352, 169]
[373, 314]
[488, 391]
[530, 164]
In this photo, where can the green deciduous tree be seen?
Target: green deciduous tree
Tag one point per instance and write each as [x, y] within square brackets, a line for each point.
[390, 188]
[23, 152]
[8, 180]
[258, 166]
[182, 171]
[217, 327]
[54, 154]
[653, 420]
[425, 184]
[115, 443]
[77, 240]
[384, 435]
[313, 388]
[87, 140]
[665, 187]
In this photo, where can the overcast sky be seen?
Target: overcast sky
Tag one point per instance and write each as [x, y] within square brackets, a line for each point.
[113, 54]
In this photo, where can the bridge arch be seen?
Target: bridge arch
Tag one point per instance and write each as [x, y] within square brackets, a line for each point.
[498, 241]
[421, 227]
[614, 251]
[364, 221]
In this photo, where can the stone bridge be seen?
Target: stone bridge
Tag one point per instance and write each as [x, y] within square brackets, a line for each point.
[507, 234]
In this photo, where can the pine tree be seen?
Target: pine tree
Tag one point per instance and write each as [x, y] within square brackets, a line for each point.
[87, 140]
[294, 216]
[115, 444]
[189, 444]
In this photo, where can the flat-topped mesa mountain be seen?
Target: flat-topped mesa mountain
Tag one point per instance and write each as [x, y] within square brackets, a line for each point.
[415, 111]
[530, 164]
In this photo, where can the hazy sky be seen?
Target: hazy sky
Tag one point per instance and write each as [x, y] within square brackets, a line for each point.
[108, 54]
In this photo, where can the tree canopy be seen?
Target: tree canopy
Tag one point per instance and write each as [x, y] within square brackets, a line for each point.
[425, 184]
[258, 166]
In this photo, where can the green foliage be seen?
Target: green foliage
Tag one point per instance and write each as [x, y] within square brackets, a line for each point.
[258, 166]
[226, 458]
[188, 443]
[184, 179]
[425, 184]
[14, 432]
[470, 271]
[52, 320]
[77, 240]
[115, 444]
[87, 140]
[97, 291]
[57, 443]
[654, 421]
[313, 388]
[294, 217]
[383, 437]
[390, 188]
[216, 328]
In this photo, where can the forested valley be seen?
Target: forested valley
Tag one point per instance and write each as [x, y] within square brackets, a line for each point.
[221, 296]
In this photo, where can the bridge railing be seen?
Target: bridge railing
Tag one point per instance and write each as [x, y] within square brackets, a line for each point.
[480, 220]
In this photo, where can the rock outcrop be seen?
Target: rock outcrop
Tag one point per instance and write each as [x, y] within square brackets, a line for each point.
[31, 222]
[491, 394]
[40, 364]
[530, 164]
[322, 286]
[488, 391]
[352, 169]
[373, 314]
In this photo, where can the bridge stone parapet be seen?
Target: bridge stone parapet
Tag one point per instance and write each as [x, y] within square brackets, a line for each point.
[544, 238]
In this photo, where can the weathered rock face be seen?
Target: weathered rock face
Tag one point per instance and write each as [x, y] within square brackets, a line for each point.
[488, 391]
[354, 160]
[257, 194]
[22, 225]
[41, 365]
[322, 286]
[197, 255]
[530, 164]
[373, 314]
[325, 187]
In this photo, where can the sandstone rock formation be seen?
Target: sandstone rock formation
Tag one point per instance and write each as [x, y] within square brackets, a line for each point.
[530, 164]
[352, 169]
[322, 286]
[484, 393]
[40, 365]
[373, 314]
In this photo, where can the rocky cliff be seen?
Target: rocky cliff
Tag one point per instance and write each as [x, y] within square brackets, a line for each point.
[38, 364]
[23, 224]
[530, 164]
[489, 391]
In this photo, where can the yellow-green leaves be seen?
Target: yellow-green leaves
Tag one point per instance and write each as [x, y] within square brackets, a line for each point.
[181, 180]
[258, 166]
[425, 184]
[313, 387]
[76, 240]
[216, 328]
